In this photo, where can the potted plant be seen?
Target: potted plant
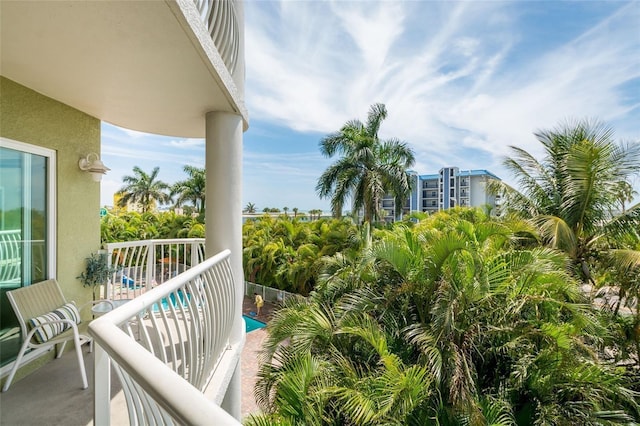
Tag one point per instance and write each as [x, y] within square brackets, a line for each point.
[97, 272]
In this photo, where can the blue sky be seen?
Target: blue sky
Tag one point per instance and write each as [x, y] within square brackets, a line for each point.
[461, 81]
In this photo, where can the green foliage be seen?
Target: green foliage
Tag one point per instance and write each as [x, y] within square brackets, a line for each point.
[460, 319]
[285, 252]
[97, 271]
[134, 226]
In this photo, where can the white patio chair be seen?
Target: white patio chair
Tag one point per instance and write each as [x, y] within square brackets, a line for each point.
[46, 320]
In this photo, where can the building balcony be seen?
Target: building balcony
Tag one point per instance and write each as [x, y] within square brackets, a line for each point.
[170, 344]
[130, 63]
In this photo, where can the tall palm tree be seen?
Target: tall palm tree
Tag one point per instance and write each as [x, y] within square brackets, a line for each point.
[368, 167]
[191, 189]
[571, 192]
[144, 189]
[250, 208]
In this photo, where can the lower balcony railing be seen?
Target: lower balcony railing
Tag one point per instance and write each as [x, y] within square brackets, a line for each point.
[168, 346]
[141, 265]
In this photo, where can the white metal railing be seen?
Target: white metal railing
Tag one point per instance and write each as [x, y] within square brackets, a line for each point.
[222, 24]
[141, 265]
[166, 345]
[10, 256]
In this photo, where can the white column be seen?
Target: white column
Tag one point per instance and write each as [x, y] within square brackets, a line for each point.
[223, 217]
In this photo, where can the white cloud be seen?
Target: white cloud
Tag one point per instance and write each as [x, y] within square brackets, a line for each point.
[186, 143]
[454, 76]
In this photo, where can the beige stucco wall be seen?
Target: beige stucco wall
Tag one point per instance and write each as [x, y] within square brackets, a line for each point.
[29, 117]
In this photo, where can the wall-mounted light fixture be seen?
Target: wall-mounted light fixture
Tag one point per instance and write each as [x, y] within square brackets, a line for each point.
[92, 164]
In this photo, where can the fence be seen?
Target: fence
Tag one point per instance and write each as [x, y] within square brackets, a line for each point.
[269, 294]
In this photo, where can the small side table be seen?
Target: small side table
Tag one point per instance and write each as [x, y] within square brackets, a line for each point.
[105, 306]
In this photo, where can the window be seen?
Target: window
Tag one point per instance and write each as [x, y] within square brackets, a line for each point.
[27, 250]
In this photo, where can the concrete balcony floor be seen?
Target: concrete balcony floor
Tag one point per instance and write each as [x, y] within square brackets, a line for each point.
[52, 395]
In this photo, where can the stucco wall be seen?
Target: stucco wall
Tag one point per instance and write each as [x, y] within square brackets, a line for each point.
[29, 117]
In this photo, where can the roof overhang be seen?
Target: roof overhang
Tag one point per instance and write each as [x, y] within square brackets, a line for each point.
[142, 65]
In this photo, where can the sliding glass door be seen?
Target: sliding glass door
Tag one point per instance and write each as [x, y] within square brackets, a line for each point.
[26, 231]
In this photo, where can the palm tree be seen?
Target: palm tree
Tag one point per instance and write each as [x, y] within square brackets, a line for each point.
[624, 194]
[572, 191]
[191, 189]
[368, 168]
[144, 189]
[250, 208]
[315, 214]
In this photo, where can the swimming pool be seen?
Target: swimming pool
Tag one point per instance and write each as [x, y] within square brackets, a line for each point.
[252, 324]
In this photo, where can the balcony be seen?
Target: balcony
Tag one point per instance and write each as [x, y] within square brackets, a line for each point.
[170, 345]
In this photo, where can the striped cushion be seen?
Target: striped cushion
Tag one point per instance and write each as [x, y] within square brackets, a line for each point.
[46, 332]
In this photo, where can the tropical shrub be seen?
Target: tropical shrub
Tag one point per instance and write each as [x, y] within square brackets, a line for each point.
[453, 321]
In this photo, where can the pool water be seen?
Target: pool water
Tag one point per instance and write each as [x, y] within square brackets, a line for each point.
[252, 324]
[165, 303]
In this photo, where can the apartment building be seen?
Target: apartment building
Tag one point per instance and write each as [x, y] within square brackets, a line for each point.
[450, 187]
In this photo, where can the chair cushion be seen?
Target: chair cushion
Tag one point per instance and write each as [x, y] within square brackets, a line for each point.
[48, 331]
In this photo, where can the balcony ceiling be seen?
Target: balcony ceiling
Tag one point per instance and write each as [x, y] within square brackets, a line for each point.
[136, 64]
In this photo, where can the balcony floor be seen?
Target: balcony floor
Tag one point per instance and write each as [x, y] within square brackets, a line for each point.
[53, 395]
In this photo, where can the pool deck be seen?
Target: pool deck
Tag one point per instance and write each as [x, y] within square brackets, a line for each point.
[251, 354]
